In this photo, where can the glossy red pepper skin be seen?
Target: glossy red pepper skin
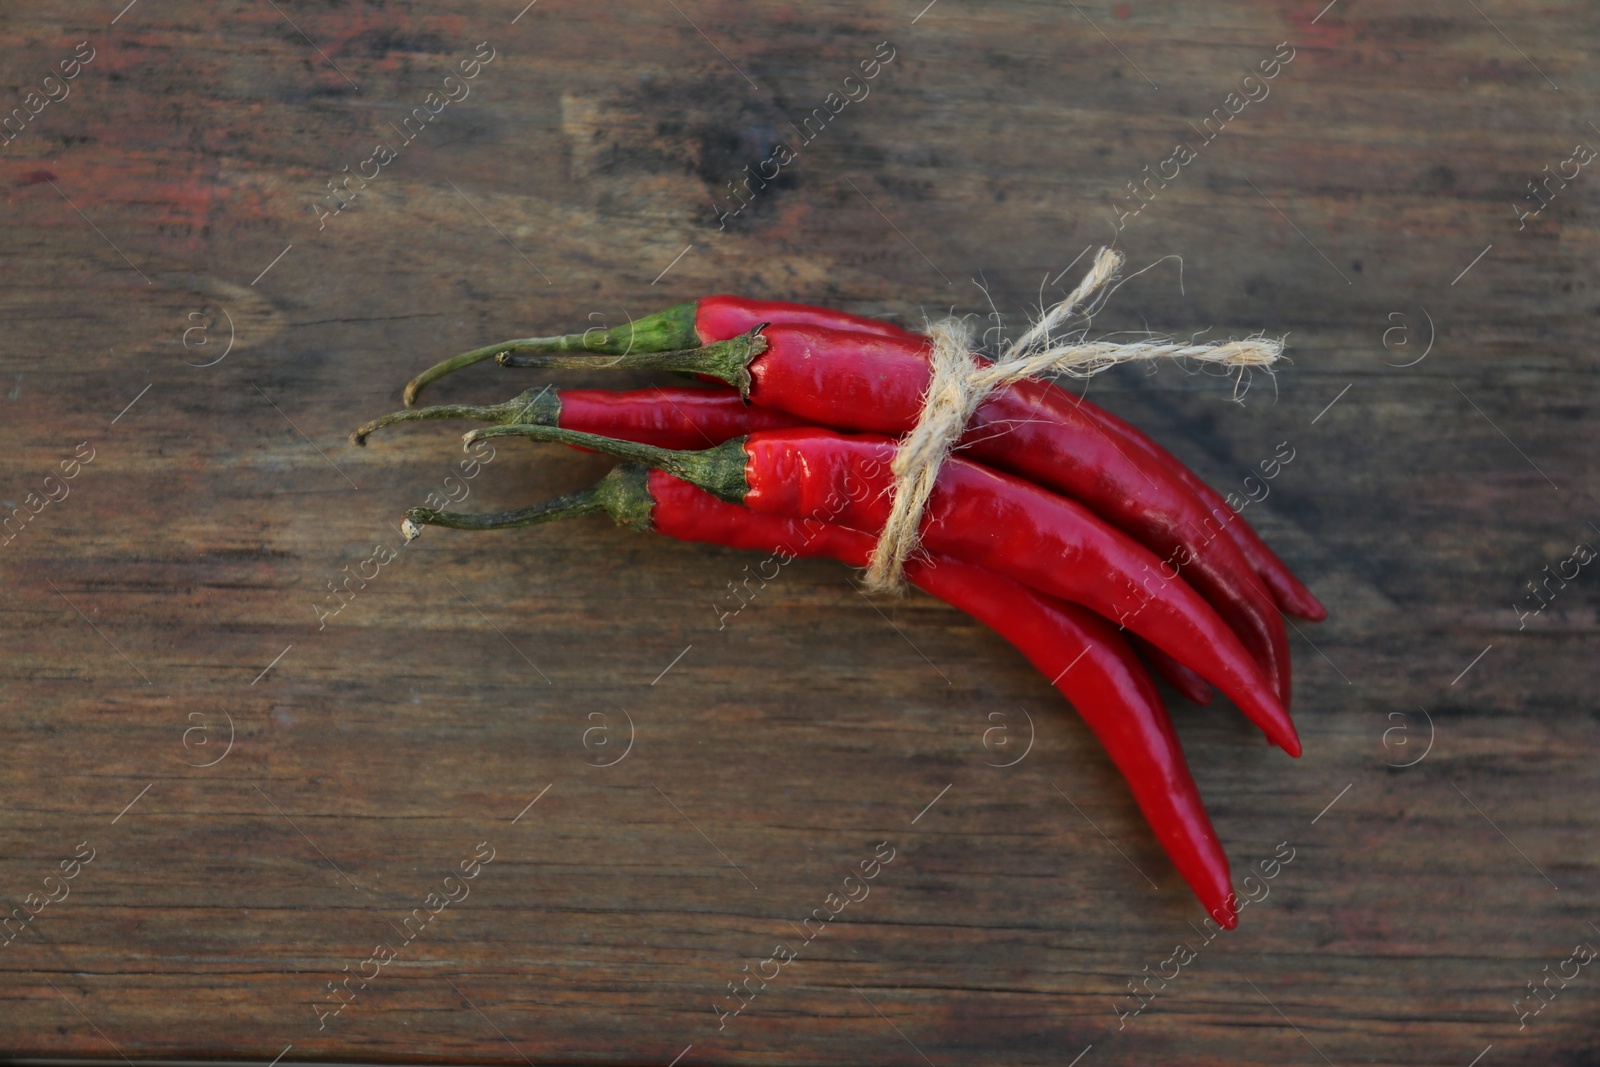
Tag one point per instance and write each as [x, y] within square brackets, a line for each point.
[875, 383]
[682, 418]
[1091, 663]
[1288, 591]
[719, 318]
[1013, 527]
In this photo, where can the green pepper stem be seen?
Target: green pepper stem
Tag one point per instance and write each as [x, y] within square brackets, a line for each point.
[719, 470]
[624, 494]
[727, 361]
[671, 328]
[542, 406]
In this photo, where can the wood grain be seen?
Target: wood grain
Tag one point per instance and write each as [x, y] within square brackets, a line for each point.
[172, 592]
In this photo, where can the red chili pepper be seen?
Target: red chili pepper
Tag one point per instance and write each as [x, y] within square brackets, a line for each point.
[720, 318]
[995, 520]
[1289, 592]
[687, 325]
[876, 383]
[723, 317]
[1090, 663]
[672, 417]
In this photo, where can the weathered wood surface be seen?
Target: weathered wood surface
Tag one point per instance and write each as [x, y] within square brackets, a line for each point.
[142, 611]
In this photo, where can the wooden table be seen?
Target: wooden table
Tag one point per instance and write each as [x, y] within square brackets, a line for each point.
[268, 792]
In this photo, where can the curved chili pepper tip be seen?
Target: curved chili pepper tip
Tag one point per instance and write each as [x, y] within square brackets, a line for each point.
[1302, 601]
[1280, 730]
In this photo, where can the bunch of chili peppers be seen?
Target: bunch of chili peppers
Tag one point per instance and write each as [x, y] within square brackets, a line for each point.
[1062, 527]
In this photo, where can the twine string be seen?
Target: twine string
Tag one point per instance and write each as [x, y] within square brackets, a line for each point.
[960, 382]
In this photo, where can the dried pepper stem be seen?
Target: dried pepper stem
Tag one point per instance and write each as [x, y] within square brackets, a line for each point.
[727, 361]
[670, 328]
[541, 406]
[720, 470]
[621, 494]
